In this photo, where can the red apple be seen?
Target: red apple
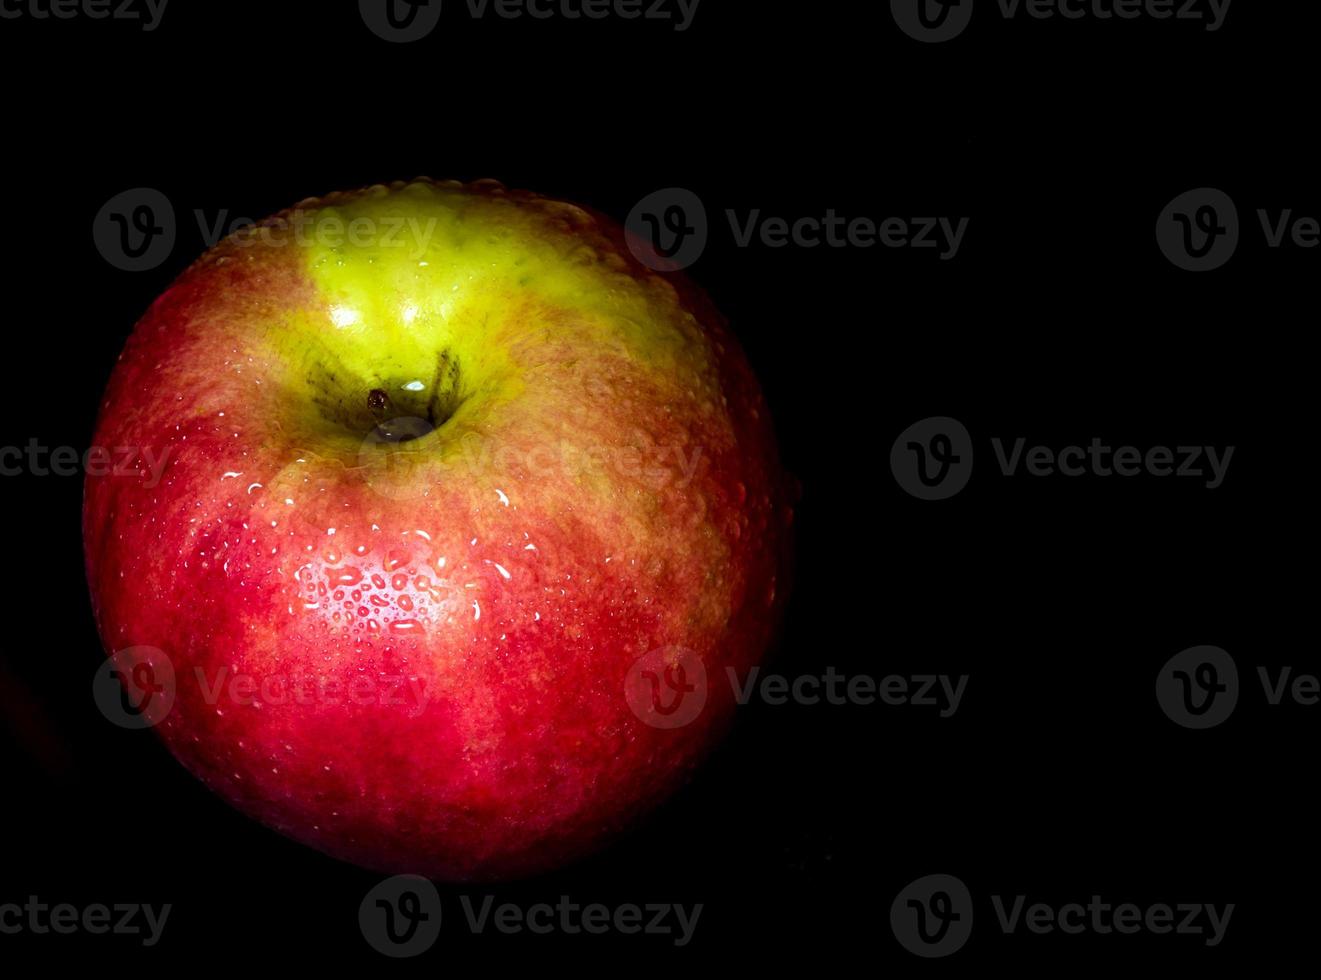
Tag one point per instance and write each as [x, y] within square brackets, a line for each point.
[455, 496]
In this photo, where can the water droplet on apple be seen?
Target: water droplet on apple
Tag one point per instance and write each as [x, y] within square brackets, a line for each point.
[345, 576]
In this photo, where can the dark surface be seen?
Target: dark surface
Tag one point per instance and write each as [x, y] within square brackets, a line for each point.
[1060, 320]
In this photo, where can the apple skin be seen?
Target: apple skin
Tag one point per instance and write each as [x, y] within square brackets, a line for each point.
[414, 655]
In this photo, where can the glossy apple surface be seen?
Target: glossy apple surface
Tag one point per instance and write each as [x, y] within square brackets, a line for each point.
[437, 479]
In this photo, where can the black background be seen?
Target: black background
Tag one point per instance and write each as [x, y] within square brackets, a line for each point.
[1060, 320]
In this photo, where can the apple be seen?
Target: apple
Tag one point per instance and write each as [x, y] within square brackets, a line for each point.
[465, 522]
